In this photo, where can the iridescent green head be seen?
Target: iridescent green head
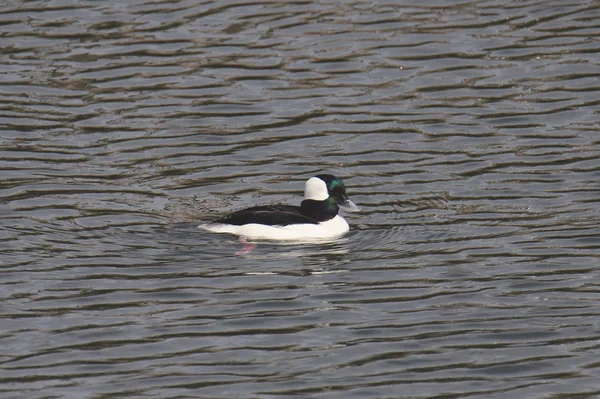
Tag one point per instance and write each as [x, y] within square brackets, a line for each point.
[331, 189]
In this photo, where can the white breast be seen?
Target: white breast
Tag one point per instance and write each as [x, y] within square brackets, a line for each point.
[329, 229]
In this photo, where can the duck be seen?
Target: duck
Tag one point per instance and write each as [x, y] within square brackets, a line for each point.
[316, 218]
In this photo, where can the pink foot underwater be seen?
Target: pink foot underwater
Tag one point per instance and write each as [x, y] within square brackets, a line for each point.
[247, 248]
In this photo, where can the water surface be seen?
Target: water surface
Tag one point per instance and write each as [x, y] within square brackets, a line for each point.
[466, 131]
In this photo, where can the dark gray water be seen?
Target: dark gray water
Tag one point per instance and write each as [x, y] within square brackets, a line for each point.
[467, 131]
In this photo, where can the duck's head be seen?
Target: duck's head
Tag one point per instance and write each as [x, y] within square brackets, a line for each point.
[331, 189]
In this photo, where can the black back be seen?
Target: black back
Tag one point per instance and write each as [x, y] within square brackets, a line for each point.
[270, 215]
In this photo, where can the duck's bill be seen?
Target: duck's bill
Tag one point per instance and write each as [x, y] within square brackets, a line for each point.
[349, 206]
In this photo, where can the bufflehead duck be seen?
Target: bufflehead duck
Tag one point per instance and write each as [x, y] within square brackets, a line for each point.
[316, 218]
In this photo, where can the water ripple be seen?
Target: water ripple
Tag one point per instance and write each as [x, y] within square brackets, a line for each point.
[467, 132]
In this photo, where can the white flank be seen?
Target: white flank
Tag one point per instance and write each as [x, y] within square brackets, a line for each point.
[329, 229]
[315, 189]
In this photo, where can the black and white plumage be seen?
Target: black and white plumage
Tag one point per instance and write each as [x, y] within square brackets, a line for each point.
[317, 216]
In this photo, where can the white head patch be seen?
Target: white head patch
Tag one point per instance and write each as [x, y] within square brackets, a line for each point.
[315, 189]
